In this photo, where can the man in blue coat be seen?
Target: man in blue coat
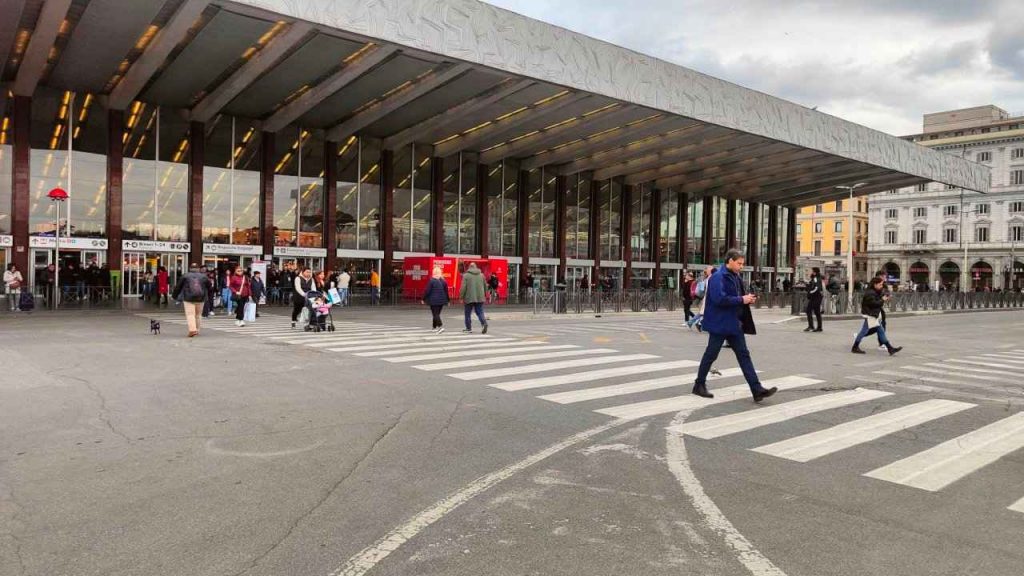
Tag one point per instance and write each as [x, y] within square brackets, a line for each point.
[727, 318]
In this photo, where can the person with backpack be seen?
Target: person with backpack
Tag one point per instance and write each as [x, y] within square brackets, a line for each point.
[13, 282]
[192, 289]
[436, 296]
[698, 293]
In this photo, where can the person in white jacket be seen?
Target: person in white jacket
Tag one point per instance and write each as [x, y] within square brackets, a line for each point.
[344, 280]
[13, 281]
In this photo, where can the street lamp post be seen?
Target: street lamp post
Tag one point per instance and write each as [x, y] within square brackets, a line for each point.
[849, 252]
[58, 196]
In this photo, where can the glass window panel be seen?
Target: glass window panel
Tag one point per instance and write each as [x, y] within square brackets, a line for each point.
[138, 180]
[742, 216]
[572, 185]
[611, 220]
[695, 231]
[510, 209]
[286, 186]
[467, 224]
[6, 167]
[246, 184]
[450, 199]
[547, 236]
[369, 194]
[495, 183]
[668, 231]
[421, 209]
[217, 152]
[311, 191]
[347, 208]
[402, 197]
[535, 191]
[49, 159]
[583, 216]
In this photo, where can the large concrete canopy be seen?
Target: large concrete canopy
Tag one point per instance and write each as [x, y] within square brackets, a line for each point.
[462, 76]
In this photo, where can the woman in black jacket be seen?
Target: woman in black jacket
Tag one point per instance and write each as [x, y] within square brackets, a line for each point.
[871, 309]
[815, 293]
[436, 295]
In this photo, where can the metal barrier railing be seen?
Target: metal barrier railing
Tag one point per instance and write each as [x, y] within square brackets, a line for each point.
[840, 304]
[597, 302]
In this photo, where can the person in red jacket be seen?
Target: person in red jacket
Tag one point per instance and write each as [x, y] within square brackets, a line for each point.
[162, 287]
[240, 292]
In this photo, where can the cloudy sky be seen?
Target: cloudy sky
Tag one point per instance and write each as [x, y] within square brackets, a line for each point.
[881, 63]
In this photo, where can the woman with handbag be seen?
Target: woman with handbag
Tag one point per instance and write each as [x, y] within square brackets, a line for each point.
[871, 310]
[13, 281]
[240, 291]
[436, 296]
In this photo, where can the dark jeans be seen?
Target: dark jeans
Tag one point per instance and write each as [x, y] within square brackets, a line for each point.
[297, 305]
[813, 308]
[738, 342]
[239, 306]
[687, 313]
[864, 330]
[435, 311]
[477, 307]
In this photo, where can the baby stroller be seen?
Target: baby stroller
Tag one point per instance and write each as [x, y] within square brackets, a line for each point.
[318, 308]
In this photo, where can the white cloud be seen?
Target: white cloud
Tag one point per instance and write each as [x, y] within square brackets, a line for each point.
[881, 63]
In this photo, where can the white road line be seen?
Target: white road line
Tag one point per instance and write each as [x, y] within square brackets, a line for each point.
[898, 374]
[442, 344]
[1017, 506]
[369, 557]
[631, 387]
[978, 370]
[546, 367]
[1004, 358]
[516, 385]
[712, 517]
[365, 334]
[758, 417]
[510, 359]
[488, 351]
[325, 341]
[940, 466]
[960, 373]
[824, 442]
[986, 363]
[691, 402]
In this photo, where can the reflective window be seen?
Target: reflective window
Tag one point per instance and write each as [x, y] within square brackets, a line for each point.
[55, 116]
[668, 226]
[541, 186]
[577, 218]
[347, 209]
[503, 207]
[369, 194]
[155, 179]
[298, 188]
[6, 166]
[610, 197]
[412, 214]
[640, 217]
[695, 231]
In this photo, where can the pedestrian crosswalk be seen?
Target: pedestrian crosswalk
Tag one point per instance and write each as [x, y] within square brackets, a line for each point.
[632, 386]
[599, 328]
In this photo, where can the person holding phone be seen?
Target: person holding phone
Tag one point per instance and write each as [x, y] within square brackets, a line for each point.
[871, 310]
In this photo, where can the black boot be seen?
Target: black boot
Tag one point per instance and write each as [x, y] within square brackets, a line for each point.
[856, 349]
[893, 349]
[809, 329]
[702, 391]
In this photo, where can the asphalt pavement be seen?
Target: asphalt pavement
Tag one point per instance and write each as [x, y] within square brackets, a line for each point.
[551, 445]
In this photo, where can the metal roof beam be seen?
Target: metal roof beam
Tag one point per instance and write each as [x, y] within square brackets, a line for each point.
[547, 136]
[11, 9]
[150, 61]
[499, 128]
[33, 62]
[314, 96]
[261, 62]
[425, 130]
[390, 104]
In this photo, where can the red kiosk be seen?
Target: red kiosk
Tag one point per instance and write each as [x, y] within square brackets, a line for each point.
[416, 272]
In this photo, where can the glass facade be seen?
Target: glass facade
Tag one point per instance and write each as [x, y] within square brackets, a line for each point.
[541, 188]
[741, 226]
[640, 220]
[231, 182]
[503, 207]
[298, 188]
[68, 126]
[610, 197]
[577, 218]
[763, 235]
[412, 215]
[155, 176]
[783, 236]
[720, 207]
[668, 226]
[6, 169]
[459, 190]
[695, 231]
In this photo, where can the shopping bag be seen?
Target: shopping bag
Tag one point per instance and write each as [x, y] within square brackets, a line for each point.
[249, 315]
[333, 296]
[263, 300]
[304, 317]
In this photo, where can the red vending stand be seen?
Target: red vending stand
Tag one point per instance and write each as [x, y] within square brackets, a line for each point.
[416, 272]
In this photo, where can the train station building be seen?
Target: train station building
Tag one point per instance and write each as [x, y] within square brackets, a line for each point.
[345, 132]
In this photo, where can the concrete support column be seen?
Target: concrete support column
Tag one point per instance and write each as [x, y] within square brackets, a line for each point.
[331, 204]
[437, 205]
[22, 132]
[627, 235]
[730, 224]
[267, 236]
[656, 236]
[115, 176]
[483, 211]
[194, 215]
[773, 237]
[753, 238]
[791, 254]
[594, 228]
[387, 213]
[682, 226]
[561, 191]
[523, 215]
[707, 231]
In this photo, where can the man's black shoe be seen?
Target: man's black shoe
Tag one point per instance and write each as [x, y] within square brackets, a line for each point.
[818, 330]
[702, 391]
[856, 350]
[808, 329]
[764, 393]
[894, 350]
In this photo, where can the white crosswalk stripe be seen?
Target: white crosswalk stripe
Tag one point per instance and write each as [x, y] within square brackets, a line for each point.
[485, 351]
[1017, 506]
[510, 359]
[633, 387]
[755, 418]
[533, 368]
[437, 343]
[593, 375]
[940, 466]
[817, 444]
[443, 344]
[691, 402]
